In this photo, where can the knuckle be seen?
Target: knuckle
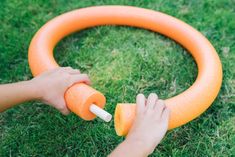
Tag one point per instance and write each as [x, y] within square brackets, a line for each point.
[57, 68]
[69, 68]
[60, 69]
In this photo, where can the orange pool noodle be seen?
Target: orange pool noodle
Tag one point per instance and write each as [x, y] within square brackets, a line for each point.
[184, 107]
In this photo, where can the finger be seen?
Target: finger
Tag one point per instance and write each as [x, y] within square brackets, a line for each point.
[160, 106]
[68, 69]
[151, 101]
[166, 115]
[65, 68]
[140, 102]
[71, 70]
[80, 78]
[58, 70]
[49, 71]
[74, 71]
[61, 106]
[65, 112]
[61, 69]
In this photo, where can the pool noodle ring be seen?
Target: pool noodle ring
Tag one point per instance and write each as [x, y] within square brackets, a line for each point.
[184, 107]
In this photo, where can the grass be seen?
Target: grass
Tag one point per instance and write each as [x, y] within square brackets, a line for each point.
[121, 62]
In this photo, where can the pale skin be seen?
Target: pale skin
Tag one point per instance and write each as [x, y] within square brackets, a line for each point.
[145, 134]
[48, 87]
[148, 129]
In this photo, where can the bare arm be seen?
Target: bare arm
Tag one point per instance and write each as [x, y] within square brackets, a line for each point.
[130, 148]
[48, 87]
[15, 93]
[148, 129]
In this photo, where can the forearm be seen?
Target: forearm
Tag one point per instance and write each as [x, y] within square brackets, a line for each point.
[130, 148]
[15, 93]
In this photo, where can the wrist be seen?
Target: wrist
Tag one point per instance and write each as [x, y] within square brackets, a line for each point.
[139, 145]
[35, 89]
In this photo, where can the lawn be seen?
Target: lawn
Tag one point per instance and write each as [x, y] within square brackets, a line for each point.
[121, 62]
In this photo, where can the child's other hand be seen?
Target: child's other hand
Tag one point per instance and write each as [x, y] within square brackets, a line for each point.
[51, 86]
[150, 124]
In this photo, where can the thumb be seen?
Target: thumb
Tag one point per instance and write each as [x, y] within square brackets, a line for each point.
[61, 106]
[79, 78]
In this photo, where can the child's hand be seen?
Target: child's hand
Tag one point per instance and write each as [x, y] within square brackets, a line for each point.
[148, 129]
[151, 122]
[51, 86]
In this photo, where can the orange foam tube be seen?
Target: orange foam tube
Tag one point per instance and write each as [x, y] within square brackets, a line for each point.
[80, 96]
[184, 107]
[123, 118]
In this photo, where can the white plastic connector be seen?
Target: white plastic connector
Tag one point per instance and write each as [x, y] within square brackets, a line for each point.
[99, 112]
